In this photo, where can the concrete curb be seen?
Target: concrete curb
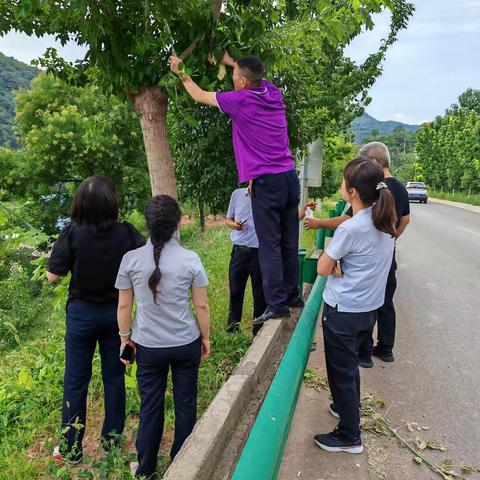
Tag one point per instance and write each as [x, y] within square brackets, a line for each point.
[463, 206]
[203, 456]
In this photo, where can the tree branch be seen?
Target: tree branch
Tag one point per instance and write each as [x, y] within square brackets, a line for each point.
[216, 8]
[191, 47]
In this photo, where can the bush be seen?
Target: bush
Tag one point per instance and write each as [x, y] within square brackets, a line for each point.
[24, 303]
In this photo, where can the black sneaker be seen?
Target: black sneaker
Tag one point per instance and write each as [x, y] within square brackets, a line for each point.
[296, 302]
[383, 354]
[268, 315]
[333, 410]
[365, 362]
[334, 442]
[233, 328]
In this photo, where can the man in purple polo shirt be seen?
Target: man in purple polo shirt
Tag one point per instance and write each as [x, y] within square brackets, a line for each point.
[261, 145]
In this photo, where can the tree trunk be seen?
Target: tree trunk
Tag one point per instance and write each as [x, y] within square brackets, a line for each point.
[151, 104]
[201, 211]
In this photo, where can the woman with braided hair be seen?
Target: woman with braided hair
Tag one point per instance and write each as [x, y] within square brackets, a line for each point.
[161, 277]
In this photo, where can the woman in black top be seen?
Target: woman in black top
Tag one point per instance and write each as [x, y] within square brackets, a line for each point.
[91, 248]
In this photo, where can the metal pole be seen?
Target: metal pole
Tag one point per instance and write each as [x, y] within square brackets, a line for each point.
[303, 194]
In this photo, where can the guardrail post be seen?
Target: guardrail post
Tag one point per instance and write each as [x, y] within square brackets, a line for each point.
[331, 214]
[338, 209]
[320, 245]
[301, 260]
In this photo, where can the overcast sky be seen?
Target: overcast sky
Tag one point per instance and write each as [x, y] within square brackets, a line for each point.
[433, 61]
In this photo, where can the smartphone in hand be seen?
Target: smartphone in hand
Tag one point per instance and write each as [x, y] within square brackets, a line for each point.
[127, 353]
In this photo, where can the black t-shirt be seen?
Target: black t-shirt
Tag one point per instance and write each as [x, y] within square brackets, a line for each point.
[93, 258]
[400, 196]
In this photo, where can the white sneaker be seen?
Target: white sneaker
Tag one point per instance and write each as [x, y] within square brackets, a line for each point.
[57, 455]
[133, 468]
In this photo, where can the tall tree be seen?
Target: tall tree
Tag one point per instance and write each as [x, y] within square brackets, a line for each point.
[69, 133]
[448, 148]
[129, 42]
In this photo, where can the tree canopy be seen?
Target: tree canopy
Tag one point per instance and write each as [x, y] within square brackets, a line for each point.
[128, 43]
[449, 147]
[69, 133]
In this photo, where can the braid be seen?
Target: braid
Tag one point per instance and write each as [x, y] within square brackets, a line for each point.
[163, 215]
[157, 274]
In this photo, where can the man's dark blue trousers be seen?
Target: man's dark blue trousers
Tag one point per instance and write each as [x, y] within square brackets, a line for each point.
[275, 199]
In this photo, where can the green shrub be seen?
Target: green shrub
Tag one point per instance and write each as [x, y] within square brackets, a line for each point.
[24, 303]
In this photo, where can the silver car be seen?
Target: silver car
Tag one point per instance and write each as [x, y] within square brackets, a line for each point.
[417, 191]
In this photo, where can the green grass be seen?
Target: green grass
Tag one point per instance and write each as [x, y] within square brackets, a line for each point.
[31, 380]
[457, 197]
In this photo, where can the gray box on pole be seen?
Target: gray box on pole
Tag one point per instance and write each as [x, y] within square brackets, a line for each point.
[315, 164]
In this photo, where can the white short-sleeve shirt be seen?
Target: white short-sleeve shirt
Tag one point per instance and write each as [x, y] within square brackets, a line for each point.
[170, 322]
[240, 210]
[366, 257]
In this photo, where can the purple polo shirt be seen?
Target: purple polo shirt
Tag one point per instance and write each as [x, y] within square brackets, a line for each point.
[260, 133]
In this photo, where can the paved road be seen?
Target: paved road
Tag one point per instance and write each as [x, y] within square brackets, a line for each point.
[435, 380]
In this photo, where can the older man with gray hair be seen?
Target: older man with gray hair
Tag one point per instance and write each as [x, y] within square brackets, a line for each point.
[386, 319]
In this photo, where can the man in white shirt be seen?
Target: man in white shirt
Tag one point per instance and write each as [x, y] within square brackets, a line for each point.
[244, 260]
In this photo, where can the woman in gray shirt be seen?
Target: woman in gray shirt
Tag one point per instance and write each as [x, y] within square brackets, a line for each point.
[357, 261]
[162, 276]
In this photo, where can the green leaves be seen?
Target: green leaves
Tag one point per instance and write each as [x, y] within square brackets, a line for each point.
[70, 133]
[449, 147]
[129, 42]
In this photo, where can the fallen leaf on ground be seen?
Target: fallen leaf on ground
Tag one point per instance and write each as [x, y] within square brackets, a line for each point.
[313, 380]
[423, 444]
[470, 468]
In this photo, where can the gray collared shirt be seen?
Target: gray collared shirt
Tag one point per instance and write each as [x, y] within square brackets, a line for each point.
[366, 256]
[240, 209]
[170, 322]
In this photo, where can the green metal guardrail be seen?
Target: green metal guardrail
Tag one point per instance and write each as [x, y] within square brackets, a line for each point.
[262, 454]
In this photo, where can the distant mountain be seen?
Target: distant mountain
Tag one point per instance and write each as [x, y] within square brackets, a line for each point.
[362, 127]
[13, 75]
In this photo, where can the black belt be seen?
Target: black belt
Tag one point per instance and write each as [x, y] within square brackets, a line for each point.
[244, 248]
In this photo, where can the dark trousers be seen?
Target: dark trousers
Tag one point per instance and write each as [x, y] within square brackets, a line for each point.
[342, 333]
[243, 264]
[87, 324]
[386, 319]
[275, 213]
[152, 372]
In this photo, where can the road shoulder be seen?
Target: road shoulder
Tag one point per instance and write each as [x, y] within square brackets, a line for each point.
[302, 459]
[463, 206]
